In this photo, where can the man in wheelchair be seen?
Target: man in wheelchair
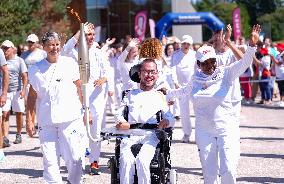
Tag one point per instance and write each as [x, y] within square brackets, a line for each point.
[142, 106]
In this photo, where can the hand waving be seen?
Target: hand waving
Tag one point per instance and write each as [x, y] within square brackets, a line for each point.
[254, 36]
[133, 43]
[228, 33]
[110, 41]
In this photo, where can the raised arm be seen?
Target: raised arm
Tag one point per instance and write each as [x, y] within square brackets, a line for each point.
[236, 69]
[237, 52]
[183, 91]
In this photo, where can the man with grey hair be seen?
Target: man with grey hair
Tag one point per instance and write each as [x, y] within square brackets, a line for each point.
[16, 91]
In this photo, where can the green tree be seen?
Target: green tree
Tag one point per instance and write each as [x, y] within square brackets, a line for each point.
[17, 19]
[224, 12]
[275, 22]
[257, 8]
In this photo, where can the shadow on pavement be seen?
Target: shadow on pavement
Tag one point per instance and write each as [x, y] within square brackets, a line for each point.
[263, 106]
[25, 153]
[194, 171]
[262, 127]
[264, 180]
[264, 138]
[32, 173]
[262, 155]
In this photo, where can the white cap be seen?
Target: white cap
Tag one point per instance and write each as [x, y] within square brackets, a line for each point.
[205, 52]
[187, 39]
[7, 43]
[32, 38]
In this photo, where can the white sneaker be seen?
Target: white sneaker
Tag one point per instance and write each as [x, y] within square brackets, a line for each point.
[185, 139]
[2, 157]
[281, 104]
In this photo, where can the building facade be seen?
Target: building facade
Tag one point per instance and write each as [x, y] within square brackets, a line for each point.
[116, 18]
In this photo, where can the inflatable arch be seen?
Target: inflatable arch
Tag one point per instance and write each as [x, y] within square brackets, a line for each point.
[166, 22]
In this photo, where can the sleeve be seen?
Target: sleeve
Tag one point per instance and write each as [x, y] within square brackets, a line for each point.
[2, 58]
[69, 45]
[121, 59]
[32, 77]
[23, 66]
[174, 75]
[167, 114]
[108, 71]
[183, 91]
[237, 68]
[119, 114]
[75, 68]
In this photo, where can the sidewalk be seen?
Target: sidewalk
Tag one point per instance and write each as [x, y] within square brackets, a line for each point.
[262, 153]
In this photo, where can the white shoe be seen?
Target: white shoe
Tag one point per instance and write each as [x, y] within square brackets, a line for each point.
[185, 139]
[281, 104]
[2, 157]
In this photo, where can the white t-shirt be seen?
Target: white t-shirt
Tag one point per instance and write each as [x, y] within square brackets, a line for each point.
[57, 97]
[184, 65]
[279, 69]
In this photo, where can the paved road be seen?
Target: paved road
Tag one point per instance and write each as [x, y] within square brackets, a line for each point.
[262, 153]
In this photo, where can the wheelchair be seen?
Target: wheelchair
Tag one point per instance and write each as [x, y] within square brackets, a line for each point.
[160, 167]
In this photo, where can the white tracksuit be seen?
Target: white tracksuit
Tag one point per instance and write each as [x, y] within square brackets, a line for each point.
[217, 133]
[140, 111]
[59, 116]
[99, 67]
[184, 66]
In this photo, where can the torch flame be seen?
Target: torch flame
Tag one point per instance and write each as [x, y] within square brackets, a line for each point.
[74, 13]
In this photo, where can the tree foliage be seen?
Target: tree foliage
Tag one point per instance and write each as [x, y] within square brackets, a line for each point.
[17, 19]
[21, 18]
[275, 22]
[257, 8]
[224, 12]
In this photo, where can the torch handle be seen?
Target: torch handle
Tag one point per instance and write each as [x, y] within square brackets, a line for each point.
[86, 103]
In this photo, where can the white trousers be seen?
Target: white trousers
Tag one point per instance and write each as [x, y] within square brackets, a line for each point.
[62, 139]
[142, 160]
[223, 150]
[97, 108]
[185, 115]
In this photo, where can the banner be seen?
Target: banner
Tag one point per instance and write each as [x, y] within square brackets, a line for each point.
[152, 28]
[140, 25]
[237, 28]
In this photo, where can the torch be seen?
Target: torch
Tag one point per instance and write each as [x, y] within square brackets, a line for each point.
[84, 67]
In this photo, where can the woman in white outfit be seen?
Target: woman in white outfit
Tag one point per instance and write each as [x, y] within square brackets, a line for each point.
[127, 59]
[55, 94]
[217, 133]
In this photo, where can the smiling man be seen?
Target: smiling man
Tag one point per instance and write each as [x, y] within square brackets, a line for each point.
[143, 104]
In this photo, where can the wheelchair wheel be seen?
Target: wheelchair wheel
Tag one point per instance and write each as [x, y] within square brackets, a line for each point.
[162, 168]
[113, 169]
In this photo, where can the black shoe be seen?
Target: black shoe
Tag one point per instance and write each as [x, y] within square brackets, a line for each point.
[177, 117]
[18, 139]
[6, 142]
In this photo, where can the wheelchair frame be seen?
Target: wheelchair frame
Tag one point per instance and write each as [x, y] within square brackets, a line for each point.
[160, 167]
